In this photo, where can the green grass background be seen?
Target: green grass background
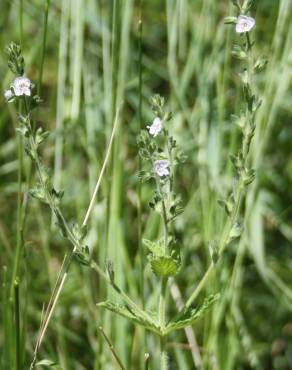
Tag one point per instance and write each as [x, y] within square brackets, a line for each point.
[92, 63]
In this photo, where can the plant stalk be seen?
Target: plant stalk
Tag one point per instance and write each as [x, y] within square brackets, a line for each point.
[17, 326]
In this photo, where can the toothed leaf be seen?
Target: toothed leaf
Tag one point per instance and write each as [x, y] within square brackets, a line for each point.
[133, 315]
[190, 316]
[164, 266]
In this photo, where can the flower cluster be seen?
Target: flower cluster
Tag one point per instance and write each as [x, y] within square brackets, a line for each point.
[158, 150]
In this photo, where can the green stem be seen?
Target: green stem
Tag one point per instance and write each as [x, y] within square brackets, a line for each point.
[162, 297]
[140, 246]
[239, 194]
[19, 232]
[139, 208]
[21, 23]
[112, 349]
[165, 226]
[115, 53]
[44, 43]
[17, 326]
[162, 311]
[163, 354]
[222, 245]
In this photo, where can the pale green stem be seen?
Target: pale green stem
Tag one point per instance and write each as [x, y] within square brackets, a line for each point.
[162, 313]
[112, 349]
[44, 43]
[17, 326]
[238, 201]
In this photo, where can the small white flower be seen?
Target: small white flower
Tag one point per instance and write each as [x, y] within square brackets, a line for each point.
[244, 24]
[22, 86]
[9, 95]
[161, 167]
[156, 127]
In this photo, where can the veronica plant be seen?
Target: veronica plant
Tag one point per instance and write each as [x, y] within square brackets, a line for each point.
[244, 174]
[160, 156]
[21, 91]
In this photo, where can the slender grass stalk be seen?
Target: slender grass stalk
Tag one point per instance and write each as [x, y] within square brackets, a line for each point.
[115, 53]
[21, 23]
[190, 334]
[19, 232]
[44, 44]
[140, 94]
[7, 319]
[77, 29]
[139, 208]
[19, 235]
[112, 349]
[62, 73]
[17, 326]
[107, 157]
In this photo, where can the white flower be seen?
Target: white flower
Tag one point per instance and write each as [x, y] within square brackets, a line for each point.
[22, 86]
[244, 24]
[156, 127]
[9, 95]
[161, 167]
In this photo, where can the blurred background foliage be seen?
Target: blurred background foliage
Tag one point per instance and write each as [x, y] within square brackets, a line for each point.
[186, 58]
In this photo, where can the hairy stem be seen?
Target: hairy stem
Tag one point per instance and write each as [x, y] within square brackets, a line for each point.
[162, 312]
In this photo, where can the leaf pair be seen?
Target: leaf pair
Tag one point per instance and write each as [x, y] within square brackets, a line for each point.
[149, 321]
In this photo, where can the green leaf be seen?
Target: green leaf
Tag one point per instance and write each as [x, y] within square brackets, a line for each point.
[144, 176]
[39, 193]
[214, 251]
[46, 363]
[164, 266]
[181, 157]
[49, 363]
[82, 256]
[227, 204]
[230, 20]
[235, 232]
[237, 161]
[260, 64]
[235, 3]
[155, 248]
[247, 6]
[79, 232]
[245, 77]
[249, 176]
[41, 136]
[133, 315]
[35, 102]
[23, 130]
[238, 52]
[110, 271]
[190, 316]
[61, 225]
